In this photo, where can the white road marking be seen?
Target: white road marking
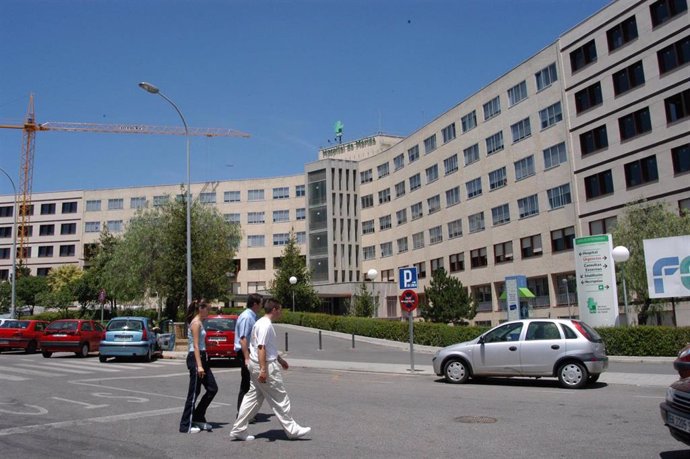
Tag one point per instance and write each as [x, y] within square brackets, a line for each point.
[88, 406]
[23, 371]
[38, 409]
[56, 366]
[12, 378]
[128, 398]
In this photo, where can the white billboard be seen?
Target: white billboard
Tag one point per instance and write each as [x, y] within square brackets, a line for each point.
[596, 281]
[667, 261]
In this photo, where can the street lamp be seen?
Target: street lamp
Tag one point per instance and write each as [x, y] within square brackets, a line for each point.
[567, 296]
[148, 87]
[293, 281]
[14, 249]
[621, 255]
[371, 274]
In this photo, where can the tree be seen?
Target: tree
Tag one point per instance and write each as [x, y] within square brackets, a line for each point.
[364, 302]
[639, 221]
[62, 282]
[446, 300]
[150, 259]
[292, 263]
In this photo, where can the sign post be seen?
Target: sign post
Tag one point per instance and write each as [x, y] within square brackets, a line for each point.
[101, 299]
[596, 281]
[409, 302]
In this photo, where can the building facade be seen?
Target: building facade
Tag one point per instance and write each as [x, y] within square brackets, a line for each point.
[499, 185]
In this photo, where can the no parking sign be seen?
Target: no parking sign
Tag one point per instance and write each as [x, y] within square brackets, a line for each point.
[409, 300]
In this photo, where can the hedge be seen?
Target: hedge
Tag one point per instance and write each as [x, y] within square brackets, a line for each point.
[625, 341]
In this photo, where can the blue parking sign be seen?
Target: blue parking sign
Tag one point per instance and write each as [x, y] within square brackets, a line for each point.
[408, 278]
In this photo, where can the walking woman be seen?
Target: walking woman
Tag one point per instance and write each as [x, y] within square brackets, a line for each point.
[194, 418]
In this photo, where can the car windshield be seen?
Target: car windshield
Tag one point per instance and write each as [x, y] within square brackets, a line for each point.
[219, 324]
[67, 325]
[15, 324]
[127, 325]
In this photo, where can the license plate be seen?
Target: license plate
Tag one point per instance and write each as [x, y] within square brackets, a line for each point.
[123, 338]
[218, 338]
[4, 341]
[59, 335]
[678, 422]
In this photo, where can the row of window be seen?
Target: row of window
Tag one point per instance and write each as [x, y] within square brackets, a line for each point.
[44, 230]
[530, 247]
[638, 172]
[44, 251]
[625, 32]
[46, 209]
[259, 240]
[633, 124]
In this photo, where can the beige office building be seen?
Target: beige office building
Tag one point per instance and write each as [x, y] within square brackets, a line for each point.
[499, 185]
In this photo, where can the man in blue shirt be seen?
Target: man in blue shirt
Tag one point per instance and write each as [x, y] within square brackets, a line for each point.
[243, 334]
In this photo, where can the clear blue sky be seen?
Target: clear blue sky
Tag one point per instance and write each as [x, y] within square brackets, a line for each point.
[283, 71]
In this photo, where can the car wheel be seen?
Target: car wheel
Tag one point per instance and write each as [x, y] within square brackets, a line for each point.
[148, 357]
[102, 358]
[456, 372]
[31, 348]
[84, 351]
[572, 375]
[593, 378]
[47, 354]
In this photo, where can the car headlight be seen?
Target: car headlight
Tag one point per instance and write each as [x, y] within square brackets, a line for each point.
[684, 353]
[670, 393]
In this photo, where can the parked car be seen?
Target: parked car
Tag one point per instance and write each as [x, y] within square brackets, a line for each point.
[131, 337]
[675, 411]
[567, 349]
[682, 363]
[220, 336]
[71, 335]
[21, 334]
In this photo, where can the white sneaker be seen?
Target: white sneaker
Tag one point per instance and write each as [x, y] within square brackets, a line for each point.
[241, 436]
[301, 432]
[194, 429]
[203, 426]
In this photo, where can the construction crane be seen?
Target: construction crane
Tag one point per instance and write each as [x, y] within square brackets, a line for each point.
[26, 165]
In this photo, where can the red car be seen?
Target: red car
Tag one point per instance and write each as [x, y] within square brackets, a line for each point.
[220, 336]
[71, 335]
[682, 363]
[21, 334]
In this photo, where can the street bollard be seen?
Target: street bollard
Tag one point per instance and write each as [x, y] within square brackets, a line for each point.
[320, 348]
[286, 341]
[353, 341]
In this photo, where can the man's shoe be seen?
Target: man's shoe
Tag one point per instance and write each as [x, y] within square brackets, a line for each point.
[194, 429]
[203, 426]
[301, 432]
[241, 436]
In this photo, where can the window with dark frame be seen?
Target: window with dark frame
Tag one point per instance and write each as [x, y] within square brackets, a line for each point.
[634, 124]
[674, 55]
[582, 56]
[641, 171]
[677, 106]
[594, 140]
[662, 11]
[588, 97]
[681, 159]
[599, 184]
[628, 78]
[622, 33]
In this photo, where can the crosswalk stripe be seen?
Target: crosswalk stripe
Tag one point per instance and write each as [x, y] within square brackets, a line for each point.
[24, 371]
[57, 367]
[108, 365]
[169, 361]
[81, 366]
[12, 378]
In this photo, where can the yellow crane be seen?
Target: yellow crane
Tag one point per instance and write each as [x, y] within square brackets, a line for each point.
[26, 164]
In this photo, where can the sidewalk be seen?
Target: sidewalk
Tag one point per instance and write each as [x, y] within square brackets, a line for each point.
[370, 358]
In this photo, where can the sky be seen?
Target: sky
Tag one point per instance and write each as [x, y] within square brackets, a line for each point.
[282, 71]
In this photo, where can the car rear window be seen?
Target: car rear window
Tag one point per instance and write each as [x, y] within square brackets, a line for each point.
[219, 324]
[15, 324]
[68, 325]
[593, 335]
[119, 325]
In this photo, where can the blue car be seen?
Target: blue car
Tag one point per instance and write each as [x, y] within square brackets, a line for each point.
[133, 337]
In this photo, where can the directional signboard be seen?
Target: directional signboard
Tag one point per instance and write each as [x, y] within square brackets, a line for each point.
[408, 278]
[596, 281]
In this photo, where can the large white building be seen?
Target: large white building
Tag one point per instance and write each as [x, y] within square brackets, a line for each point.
[499, 185]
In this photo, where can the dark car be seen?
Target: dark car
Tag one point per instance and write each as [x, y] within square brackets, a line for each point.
[71, 335]
[21, 334]
[675, 411]
[682, 363]
[220, 336]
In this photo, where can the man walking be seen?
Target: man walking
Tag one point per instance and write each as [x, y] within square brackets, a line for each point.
[266, 379]
[243, 333]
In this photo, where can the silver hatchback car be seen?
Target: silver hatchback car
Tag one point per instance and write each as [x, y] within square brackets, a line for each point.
[567, 349]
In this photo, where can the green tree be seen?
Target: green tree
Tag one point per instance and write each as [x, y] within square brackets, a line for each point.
[292, 263]
[364, 302]
[62, 282]
[29, 289]
[639, 221]
[150, 259]
[446, 300]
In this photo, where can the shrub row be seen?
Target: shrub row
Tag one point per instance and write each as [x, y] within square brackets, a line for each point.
[627, 341]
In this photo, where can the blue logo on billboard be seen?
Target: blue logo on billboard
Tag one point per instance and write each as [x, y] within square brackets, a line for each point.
[668, 266]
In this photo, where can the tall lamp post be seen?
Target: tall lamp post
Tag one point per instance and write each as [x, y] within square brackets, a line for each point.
[372, 274]
[621, 255]
[148, 87]
[13, 300]
[567, 296]
[293, 281]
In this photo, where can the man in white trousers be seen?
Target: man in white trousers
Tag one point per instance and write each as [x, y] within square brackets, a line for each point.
[266, 379]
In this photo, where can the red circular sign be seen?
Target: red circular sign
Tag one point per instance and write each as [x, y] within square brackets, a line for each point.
[409, 300]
